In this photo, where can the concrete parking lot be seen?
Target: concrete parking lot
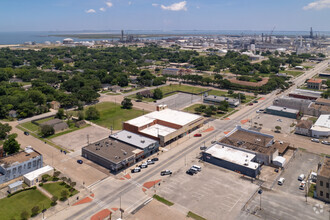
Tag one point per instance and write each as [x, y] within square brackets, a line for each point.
[288, 201]
[213, 193]
[180, 100]
[76, 140]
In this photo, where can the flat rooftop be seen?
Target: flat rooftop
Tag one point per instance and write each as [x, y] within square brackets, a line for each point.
[325, 168]
[283, 109]
[305, 92]
[112, 150]
[168, 115]
[36, 173]
[133, 139]
[323, 121]
[220, 98]
[158, 129]
[233, 155]
[250, 140]
[19, 157]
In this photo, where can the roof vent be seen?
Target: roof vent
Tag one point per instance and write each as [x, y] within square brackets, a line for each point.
[129, 136]
[125, 153]
[258, 139]
[142, 141]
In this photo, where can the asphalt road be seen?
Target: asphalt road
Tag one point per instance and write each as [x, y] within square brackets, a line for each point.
[112, 195]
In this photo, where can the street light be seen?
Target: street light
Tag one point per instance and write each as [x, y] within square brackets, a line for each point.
[260, 192]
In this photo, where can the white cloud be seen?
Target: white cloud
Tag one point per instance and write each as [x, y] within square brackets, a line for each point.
[176, 6]
[90, 11]
[318, 5]
[129, 3]
[109, 4]
[198, 7]
[154, 4]
[102, 9]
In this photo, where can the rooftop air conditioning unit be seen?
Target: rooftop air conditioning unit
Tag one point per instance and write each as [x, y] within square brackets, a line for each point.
[142, 141]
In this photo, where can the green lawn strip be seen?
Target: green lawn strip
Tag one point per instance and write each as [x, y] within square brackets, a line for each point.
[195, 216]
[161, 199]
[30, 126]
[44, 120]
[112, 93]
[218, 93]
[71, 129]
[56, 189]
[230, 113]
[183, 88]
[111, 114]
[313, 119]
[11, 208]
[311, 190]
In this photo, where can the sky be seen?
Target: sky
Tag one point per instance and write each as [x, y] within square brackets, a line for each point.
[166, 15]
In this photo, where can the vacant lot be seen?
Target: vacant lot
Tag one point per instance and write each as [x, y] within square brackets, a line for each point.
[293, 73]
[11, 208]
[76, 140]
[179, 100]
[113, 115]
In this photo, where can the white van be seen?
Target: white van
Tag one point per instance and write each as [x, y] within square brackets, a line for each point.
[281, 181]
[301, 177]
[198, 168]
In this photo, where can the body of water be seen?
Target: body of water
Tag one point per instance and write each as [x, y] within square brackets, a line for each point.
[41, 37]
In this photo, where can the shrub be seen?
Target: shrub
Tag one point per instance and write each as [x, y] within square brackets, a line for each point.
[24, 215]
[35, 210]
[41, 184]
[31, 188]
[54, 200]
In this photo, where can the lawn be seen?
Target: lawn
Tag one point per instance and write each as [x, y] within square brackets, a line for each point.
[161, 199]
[191, 109]
[56, 188]
[292, 72]
[111, 114]
[11, 208]
[72, 128]
[44, 120]
[30, 126]
[183, 88]
[195, 216]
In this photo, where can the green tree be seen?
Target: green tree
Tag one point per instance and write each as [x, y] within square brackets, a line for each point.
[64, 194]
[47, 130]
[158, 94]
[92, 113]
[24, 215]
[199, 109]
[60, 114]
[208, 112]
[139, 96]
[4, 130]
[11, 146]
[278, 128]
[35, 210]
[81, 115]
[58, 64]
[54, 200]
[126, 103]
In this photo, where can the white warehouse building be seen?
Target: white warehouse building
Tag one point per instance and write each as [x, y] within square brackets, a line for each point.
[321, 128]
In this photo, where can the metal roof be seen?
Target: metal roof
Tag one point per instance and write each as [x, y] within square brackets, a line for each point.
[131, 138]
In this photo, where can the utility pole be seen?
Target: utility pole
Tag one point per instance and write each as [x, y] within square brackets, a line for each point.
[260, 192]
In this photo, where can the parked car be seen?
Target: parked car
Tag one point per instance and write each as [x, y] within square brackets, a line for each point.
[301, 177]
[144, 165]
[194, 170]
[136, 170]
[155, 159]
[280, 181]
[190, 172]
[26, 133]
[165, 172]
[251, 103]
[302, 185]
[276, 170]
[80, 161]
[197, 135]
[150, 162]
[280, 120]
[198, 168]
[315, 140]
[255, 101]
[202, 148]
[325, 142]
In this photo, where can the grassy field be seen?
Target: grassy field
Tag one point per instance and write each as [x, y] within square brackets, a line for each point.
[191, 109]
[113, 115]
[161, 199]
[44, 120]
[195, 216]
[292, 72]
[11, 208]
[56, 188]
